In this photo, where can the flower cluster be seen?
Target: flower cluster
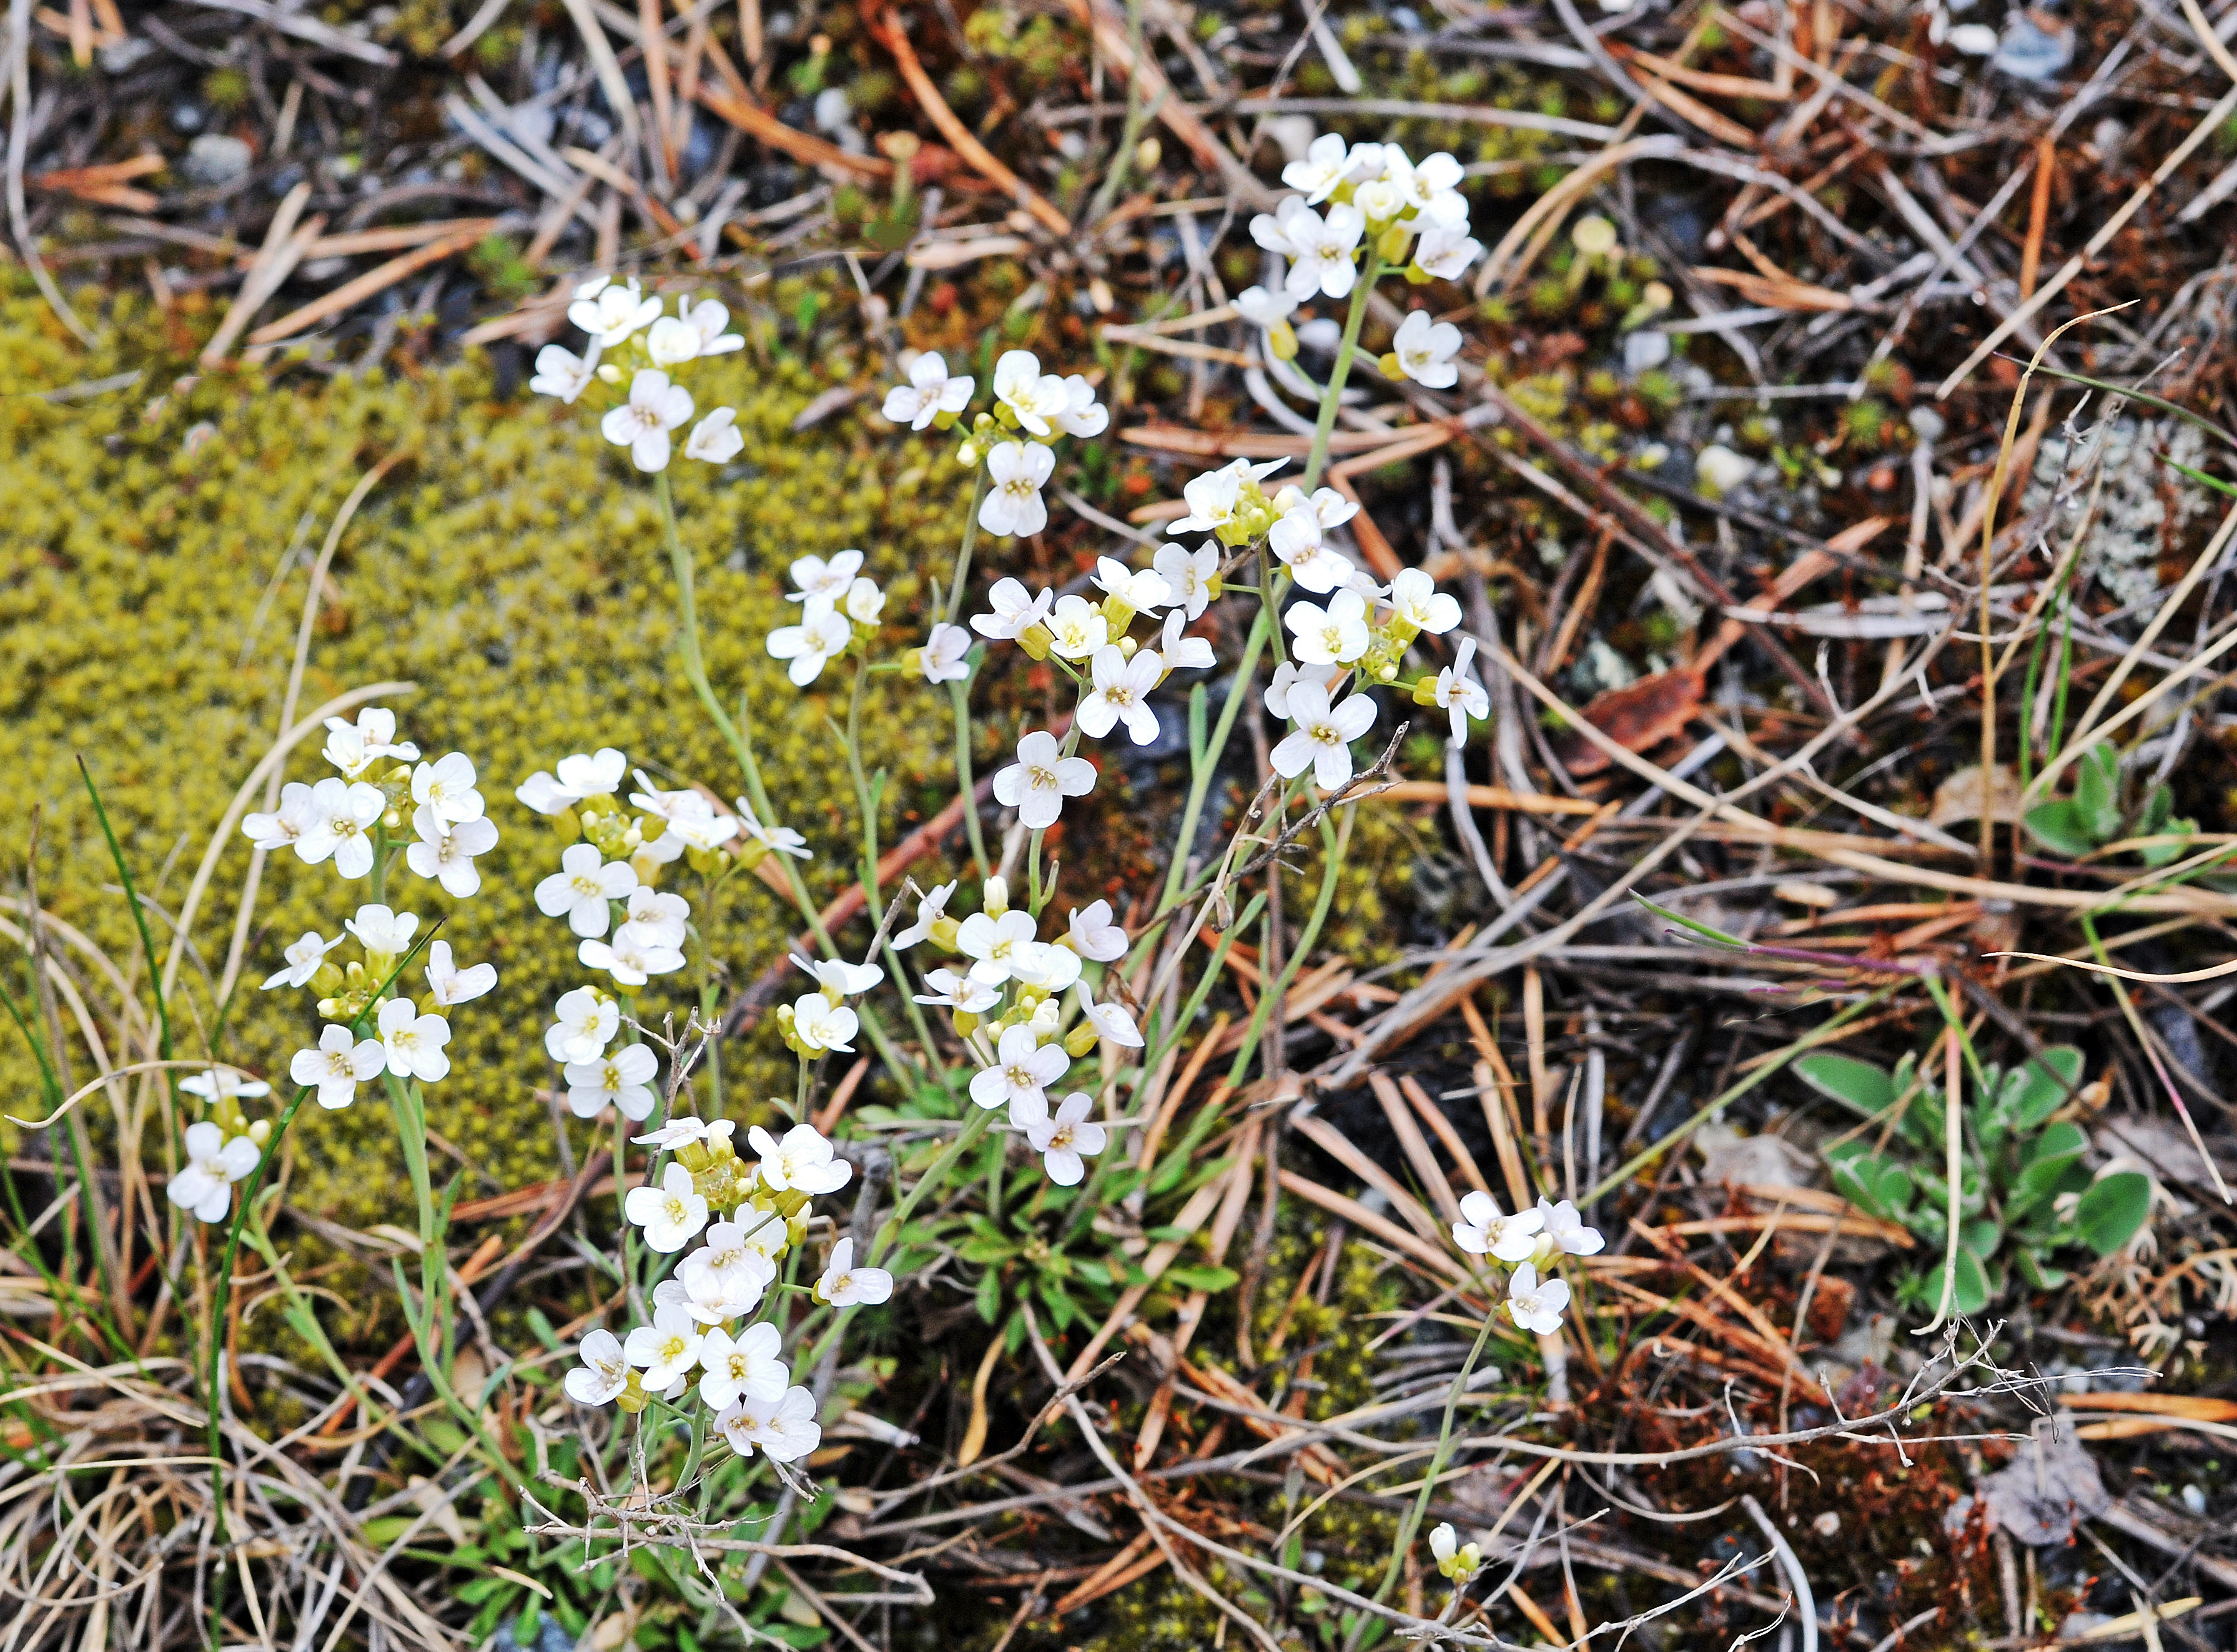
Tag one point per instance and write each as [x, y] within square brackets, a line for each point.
[647, 346]
[1031, 410]
[839, 606]
[1531, 1242]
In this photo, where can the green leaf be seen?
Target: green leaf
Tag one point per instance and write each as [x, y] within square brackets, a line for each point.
[2041, 1087]
[1858, 1084]
[1970, 1291]
[2112, 1210]
[2057, 1144]
[989, 1297]
[1203, 1279]
[2058, 826]
[1706, 932]
[2097, 791]
[2037, 1275]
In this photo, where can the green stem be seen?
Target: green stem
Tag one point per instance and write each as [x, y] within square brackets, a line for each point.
[1324, 427]
[965, 790]
[973, 1127]
[1334, 843]
[970, 539]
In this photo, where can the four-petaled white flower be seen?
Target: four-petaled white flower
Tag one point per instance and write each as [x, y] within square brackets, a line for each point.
[414, 1042]
[585, 1021]
[642, 423]
[1142, 589]
[630, 958]
[581, 891]
[864, 602]
[447, 788]
[224, 1084]
[941, 658]
[822, 582]
[303, 960]
[1184, 653]
[1081, 414]
[561, 372]
[1336, 635]
[285, 824]
[668, 1347]
[1320, 249]
[1211, 499]
[725, 1278]
[1063, 1138]
[1481, 1231]
[447, 984]
[1461, 695]
[1110, 1020]
[929, 393]
[610, 314]
[821, 1024]
[995, 946]
[1023, 1066]
[1188, 576]
[1445, 250]
[1077, 628]
[622, 1081]
[670, 1213]
[803, 1159]
[836, 975]
[1121, 693]
[1017, 469]
[1327, 163]
[966, 992]
[1094, 937]
[1417, 601]
[844, 1285]
[1566, 1230]
[709, 320]
[338, 1065]
[657, 919]
[748, 1366]
[1037, 783]
[604, 1373]
[822, 634]
[1049, 969]
[446, 854]
[785, 1431]
[930, 909]
[715, 439]
[784, 840]
[383, 933]
[1033, 395]
[1533, 1305]
[1319, 738]
[680, 1131]
[1013, 611]
[1287, 675]
[1425, 350]
[579, 776]
[339, 811]
[354, 747]
[1296, 540]
[204, 1183]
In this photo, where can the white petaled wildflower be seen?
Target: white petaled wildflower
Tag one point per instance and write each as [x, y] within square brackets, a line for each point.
[1567, 1232]
[1121, 694]
[684, 803]
[1416, 600]
[822, 634]
[1535, 1305]
[382, 932]
[711, 321]
[1037, 783]
[1077, 628]
[584, 774]
[931, 907]
[1182, 653]
[1287, 675]
[1319, 738]
[224, 1084]
[965, 992]
[802, 1160]
[1457, 1561]
[1023, 1066]
[1437, 180]
[785, 1431]
[1445, 250]
[414, 1042]
[642, 423]
[204, 1184]
[680, 1131]
[1425, 349]
[1188, 576]
[1018, 471]
[715, 439]
[1081, 414]
[1264, 310]
[1336, 635]
[1211, 497]
[285, 824]
[930, 393]
[671, 341]
[604, 1373]
[448, 984]
[748, 1366]
[583, 889]
[1012, 611]
[1481, 1231]
[1460, 693]
[1111, 1020]
[726, 1277]
[561, 372]
[1142, 589]
[1047, 968]
[836, 975]
[823, 581]
[844, 1285]
[864, 602]
[1035, 397]
[666, 1349]
[1094, 936]
[609, 313]
[303, 957]
[447, 786]
[1064, 1139]
[445, 854]
[995, 946]
[1329, 508]
[670, 1213]
[585, 1021]
[1320, 249]
[941, 658]
[784, 840]
[631, 959]
[708, 831]
[657, 919]
[356, 747]
[622, 1081]
[340, 812]
[821, 1024]
[1295, 539]
[1327, 163]
[338, 1065]
[1379, 200]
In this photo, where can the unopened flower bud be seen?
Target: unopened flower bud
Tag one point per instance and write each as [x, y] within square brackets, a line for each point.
[1081, 1040]
[694, 1156]
[966, 1024]
[1391, 244]
[632, 1398]
[1117, 615]
[609, 374]
[944, 931]
[967, 454]
[1389, 362]
[994, 897]
[1282, 339]
[261, 1131]
[1035, 640]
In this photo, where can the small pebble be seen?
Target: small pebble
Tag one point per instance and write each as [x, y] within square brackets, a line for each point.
[1644, 350]
[120, 55]
[1826, 1524]
[186, 118]
[2194, 1500]
[2035, 47]
[215, 158]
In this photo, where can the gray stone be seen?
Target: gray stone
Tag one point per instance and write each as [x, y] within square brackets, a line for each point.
[215, 158]
[2035, 47]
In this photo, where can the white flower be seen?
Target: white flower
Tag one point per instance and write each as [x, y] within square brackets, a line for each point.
[1111, 1021]
[585, 1022]
[1425, 350]
[823, 581]
[1481, 1231]
[669, 1215]
[996, 945]
[1263, 310]
[622, 1081]
[1457, 1561]
[749, 1367]
[1288, 676]
[1320, 249]
[836, 975]
[340, 812]
[581, 890]
[1321, 739]
[672, 341]
[446, 785]
[1081, 414]
[338, 1065]
[284, 826]
[1417, 601]
[1445, 250]
[928, 393]
[1533, 1306]
[1094, 937]
[610, 314]
[1720, 469]
[1566, 1230]
[930, 909]
[1184, 653]
[1461, 695]
[941, 658]
[1018, 470]
[965, 992]
[785, 1431]
[223, 1083]
[680, 1131]
[580, 776]
[821, 1024]
[1122, 692]
[709, 319]
[303, 960]
[630, 958]
[1078, 629]
[642, 423]
[865, 602]
[1437, 181]
[561, 372]
[709, 830]
[1035, 397]
[715, 439]
[668, 1347]
[383, 933]
[1974, 39]
[683, 804]
[447, 985]
[1023, 1066]
[822, 634]
[1336, 635]
[1063, 1140]
[725, 1278]
[1295, 540]
[1327, 162]
[204, 1183]
[604, 1371]
[784, 840]
[1211, 497]
[803, 1159]
[356, 747]
[1188, 576]
[1013, 611]
[414, 1043]
[1144, 590]
[1050, 969]
[446, 854]
[657, 919]
[1329, 509]
[843, 1285]
[1037, 783]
